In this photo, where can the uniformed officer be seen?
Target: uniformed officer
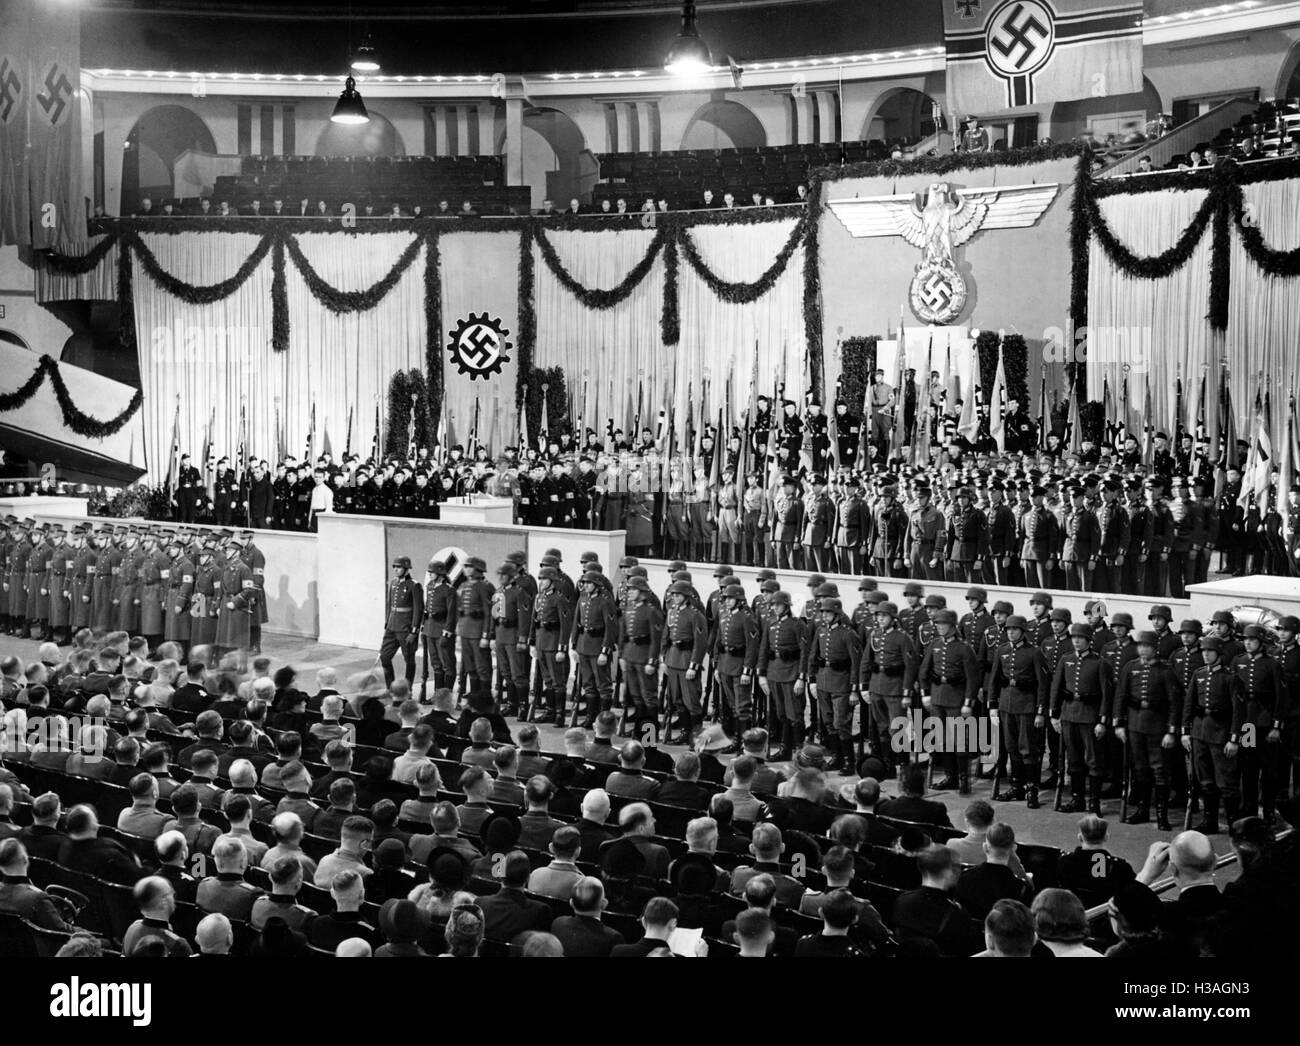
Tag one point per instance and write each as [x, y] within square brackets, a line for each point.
[81, 579]
[594, 639]
[912, 615]
[1147, 715]
[238, 602]
[1003, 547]
[925, 536]
[16, 581]
[551, 623]
[1287, 655]
[1112, 539]
[474, 627]
[1257, 720]
[1039, 539]
[438, 628]
[640, 637]
[126, 590]
[179, 594]
[832, 665]
[1016, 688]
[889, 528]
[404, 607]
[685, 641]
[787, 526]
[207, 595]
[512, 609]
[256, 560]
[949, 678]
[1080, 542]
[736, 650]
[1208, 708]
[779, 660]
[154, 569]
[1080, 710]
[819, 521]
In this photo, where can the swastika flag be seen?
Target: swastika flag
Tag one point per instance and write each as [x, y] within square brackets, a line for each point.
[1005, 54]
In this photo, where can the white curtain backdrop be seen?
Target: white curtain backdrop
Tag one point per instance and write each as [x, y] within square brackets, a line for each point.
[1156, 326]
[99, 284]
[613, 349]
[1264, 311]
[220, 356]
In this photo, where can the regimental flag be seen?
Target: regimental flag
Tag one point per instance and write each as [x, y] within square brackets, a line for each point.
[15, 92]
[1003, 54]
[174, 467]
[1075, 424]
[998, 407]
[969, 425]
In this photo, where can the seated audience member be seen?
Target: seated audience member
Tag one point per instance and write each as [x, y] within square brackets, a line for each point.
[173, 858]
[391, 879]
[803, 808]
[17, 894]
[980, 887]
[931, 912]
[745, 806]
[338, 757]
[701, 847]
[446, 833]
[1009, 931]
[730, 841]
[760, 894]
[865, 796]
[199, 836]
[297, 783]
[767, 847]
[479, 752]
[227, 891]
[331, 728]
[157, 901]
[209, 728]
[582, 934]
[1091, 871]
[355, 838]
[343, 804]
[419, 744]
[239, 812]
[243, 781]
[42, 838]
[558, 878]
[384, 816]
[685, 790]
[476, 784]
[510, 912]
[214, 935]
[536, 825]
[659, 920]
[839, 914]
[637, 825]
[286, 882]
[507, 792]
[142, 817]
[912, 804]
[1190, 859]
[330, 929]
[601, 749]
[592, 827]
[767, 779]
[409, 718]
[1062, 924]
[628, 780]
[531, 760]
[203, 779]
[85, 852]
[288, 843]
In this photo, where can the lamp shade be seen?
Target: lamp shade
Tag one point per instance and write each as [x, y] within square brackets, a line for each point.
[689, 54]
[366, 60]
[350, 108]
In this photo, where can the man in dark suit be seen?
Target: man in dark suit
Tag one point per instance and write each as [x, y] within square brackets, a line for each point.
[981, 887]
[767, 848]
[912, 804]
[866, 794]
[103, 858]
[192, 696]
[628, 780]
[1190, 859]
[510, 912]
[42, 837]
[804, 809]
[243, 746]
[685, 790]
[930, 911]
[637, 824]
[659, 920]
[209, 727]
[592, 827]
[19, 897]
[582, 934]
[536, 825]
[1091, 871]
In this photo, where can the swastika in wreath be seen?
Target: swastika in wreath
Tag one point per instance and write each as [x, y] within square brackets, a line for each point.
[937, 294]
[478, 346]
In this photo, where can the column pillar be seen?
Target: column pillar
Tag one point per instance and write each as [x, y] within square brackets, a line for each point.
[514, 157]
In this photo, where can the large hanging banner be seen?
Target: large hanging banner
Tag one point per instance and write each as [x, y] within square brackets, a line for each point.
[58, 210]
[479, 336]
[1004, 54]
[15, 25]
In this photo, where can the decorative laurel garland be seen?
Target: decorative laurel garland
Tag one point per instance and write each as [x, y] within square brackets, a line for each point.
[191, 293]
[857, 361]
[433, 359]
[526, 337]
[744, 292]
[80, 264]
[419, 393]
[597, 298]
[557, 402]
[279, 299]
[399, 416]
[73, 417]
[338, 301]
[986, 356]
[670, 321]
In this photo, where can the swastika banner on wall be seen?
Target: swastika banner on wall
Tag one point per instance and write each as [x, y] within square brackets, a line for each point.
[1005, 54]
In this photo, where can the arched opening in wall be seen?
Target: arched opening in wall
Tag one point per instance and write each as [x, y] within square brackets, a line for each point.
[724, 125]
[557, 164]
[157, 140]
[1118, 114]
[377, 138]
[10, 338]
[901, 115]
[1288, 77]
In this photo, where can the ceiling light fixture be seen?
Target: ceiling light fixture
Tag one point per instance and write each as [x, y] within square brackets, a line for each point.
[350, 109]
[689, 54]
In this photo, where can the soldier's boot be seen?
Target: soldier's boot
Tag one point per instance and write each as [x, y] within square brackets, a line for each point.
[1162, 809]
[1209, 822]
[1033, 771]
[798, 735]
[1075, 804]
[833, 763]
[950, 776]
[736, 747]
[1231, 809]
[1095, 792]
[560, 697]
[1016, 790]
[964, 775]
[998, 769]
[787, 741]
[589, 708]
[1141, 812]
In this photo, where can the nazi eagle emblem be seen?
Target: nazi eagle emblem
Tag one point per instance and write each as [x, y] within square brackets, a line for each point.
[938, 220]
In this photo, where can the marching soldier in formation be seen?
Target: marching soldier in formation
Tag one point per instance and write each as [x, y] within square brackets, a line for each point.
[512, 609]
[949, 679]
[551, 624]
[780, 655]
[888, 674]
[685, 642]
[736, 650]
[1209, 709]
